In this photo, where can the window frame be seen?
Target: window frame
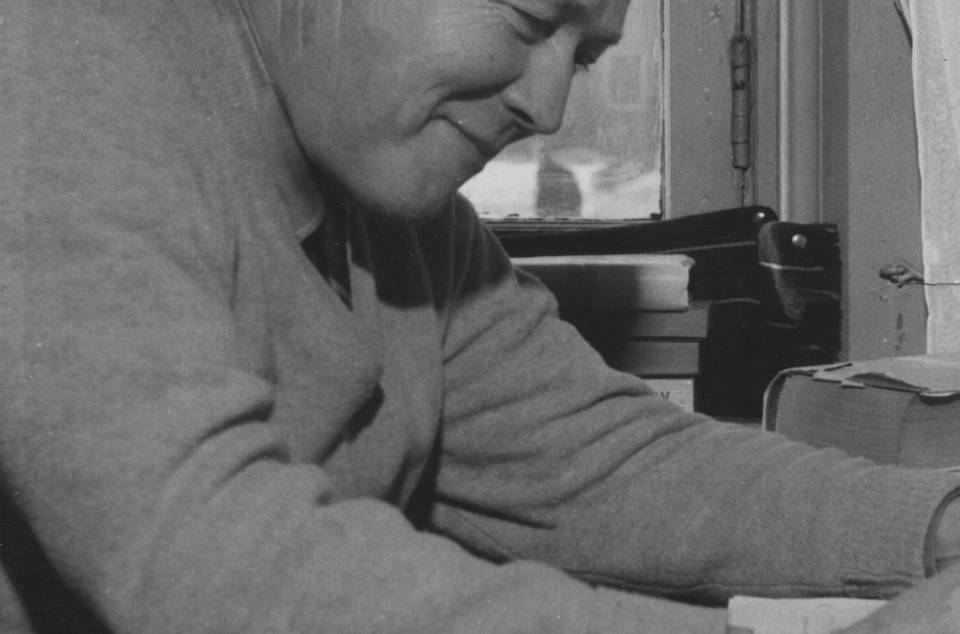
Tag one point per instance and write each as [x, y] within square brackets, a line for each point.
[697, 170]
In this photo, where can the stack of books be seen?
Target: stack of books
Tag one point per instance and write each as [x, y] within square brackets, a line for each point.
[636, 311]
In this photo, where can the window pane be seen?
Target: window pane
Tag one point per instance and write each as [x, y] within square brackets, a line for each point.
[605, 162]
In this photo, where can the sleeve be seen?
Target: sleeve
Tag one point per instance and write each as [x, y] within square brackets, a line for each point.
[141, 466]
[550, 455]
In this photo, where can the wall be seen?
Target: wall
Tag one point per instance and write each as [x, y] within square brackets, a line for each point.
[698, 173]
[870, 180]
[847, 148]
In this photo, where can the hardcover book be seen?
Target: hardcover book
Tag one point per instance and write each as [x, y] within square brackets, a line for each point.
[629, 282]
[643, 324]
[651, 357]
[897, 410]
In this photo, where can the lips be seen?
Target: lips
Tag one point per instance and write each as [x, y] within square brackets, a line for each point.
[485, 148]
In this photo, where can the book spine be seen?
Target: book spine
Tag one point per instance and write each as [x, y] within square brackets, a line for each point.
[652, 357]
[650, 287]
[642, 324]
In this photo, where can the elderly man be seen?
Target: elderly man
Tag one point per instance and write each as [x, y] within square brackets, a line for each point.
[199, 434]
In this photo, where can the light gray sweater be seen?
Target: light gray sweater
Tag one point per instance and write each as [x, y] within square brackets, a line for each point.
[196, 435]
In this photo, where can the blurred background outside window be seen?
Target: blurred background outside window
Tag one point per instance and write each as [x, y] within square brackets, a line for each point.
[605, 163]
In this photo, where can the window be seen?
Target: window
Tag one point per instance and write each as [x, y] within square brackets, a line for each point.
[605, 162]
[648, 130]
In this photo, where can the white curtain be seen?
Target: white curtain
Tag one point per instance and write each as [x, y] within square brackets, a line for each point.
[935, 28]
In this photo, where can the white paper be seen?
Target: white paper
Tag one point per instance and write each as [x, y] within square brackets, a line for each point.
[796, 616]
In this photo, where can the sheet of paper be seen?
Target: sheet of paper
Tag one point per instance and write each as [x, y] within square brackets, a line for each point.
[754, 615]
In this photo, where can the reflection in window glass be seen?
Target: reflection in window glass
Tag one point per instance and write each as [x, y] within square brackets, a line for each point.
[605, 161]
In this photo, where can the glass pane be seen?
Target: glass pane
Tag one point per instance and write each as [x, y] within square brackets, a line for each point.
[605, 161]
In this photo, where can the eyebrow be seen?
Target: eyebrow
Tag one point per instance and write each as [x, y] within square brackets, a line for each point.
[576, 10]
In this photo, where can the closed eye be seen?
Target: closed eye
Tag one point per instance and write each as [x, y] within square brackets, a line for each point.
[587, 55]
[583, 62]
[534, 28]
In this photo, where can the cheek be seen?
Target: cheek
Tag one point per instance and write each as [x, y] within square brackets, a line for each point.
[477, 49]
[392, 82]
[366, 116]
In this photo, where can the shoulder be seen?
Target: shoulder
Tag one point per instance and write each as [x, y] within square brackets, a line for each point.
[135, 56]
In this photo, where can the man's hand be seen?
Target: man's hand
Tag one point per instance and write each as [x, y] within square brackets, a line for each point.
[947, 546]
[930, 607]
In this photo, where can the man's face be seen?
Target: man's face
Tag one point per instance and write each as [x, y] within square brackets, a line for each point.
[401, 101]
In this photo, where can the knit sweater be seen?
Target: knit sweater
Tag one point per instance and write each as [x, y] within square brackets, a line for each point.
[197, 435]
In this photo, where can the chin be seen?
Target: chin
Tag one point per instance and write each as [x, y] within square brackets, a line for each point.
[405, 204]
[418, 199]
[407, 212]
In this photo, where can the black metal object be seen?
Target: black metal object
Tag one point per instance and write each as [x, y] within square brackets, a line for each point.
[774, 288]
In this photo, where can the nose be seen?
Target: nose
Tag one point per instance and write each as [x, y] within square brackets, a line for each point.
[538, 97]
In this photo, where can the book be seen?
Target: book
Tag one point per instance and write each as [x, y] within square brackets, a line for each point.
[678, 390]
[643, 324]
[640, 281]
[895, 410]
[651, 357]
[757, 615]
